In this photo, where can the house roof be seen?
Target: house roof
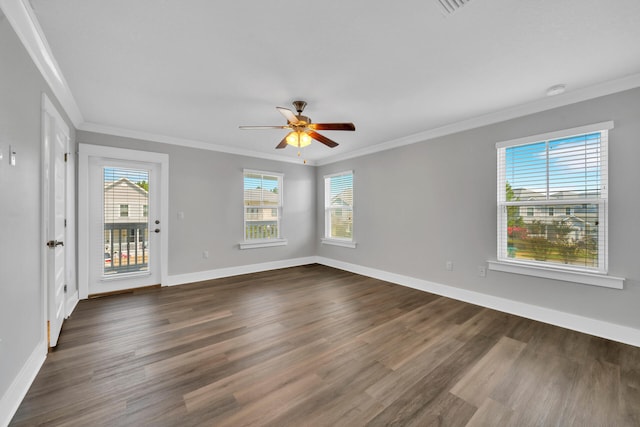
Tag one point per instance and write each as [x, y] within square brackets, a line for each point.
[126, 184]
[344, 198]
[191, 73]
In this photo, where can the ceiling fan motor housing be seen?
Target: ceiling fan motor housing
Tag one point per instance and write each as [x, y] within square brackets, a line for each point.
[302, 120]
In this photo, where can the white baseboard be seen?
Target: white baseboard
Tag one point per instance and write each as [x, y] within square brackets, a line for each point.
[181, 279]
[18, 389]
[574, 322]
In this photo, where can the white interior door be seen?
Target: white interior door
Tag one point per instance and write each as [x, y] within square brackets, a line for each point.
[56, 144]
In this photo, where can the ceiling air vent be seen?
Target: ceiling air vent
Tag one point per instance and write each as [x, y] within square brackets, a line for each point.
[449, 7]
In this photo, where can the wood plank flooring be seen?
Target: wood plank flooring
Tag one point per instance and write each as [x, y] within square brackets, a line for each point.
[316, 346]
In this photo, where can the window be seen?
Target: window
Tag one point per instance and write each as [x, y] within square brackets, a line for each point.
[338, 196]
[549, 174]
[124, 210]
[262, 207]
[145, 210]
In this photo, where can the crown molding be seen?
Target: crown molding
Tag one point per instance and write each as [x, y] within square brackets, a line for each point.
[24, 22]
[548, 103]
[147, 136]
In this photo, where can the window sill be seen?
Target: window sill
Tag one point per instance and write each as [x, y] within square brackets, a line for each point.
[337, 242]
[594, 279]
[248, 244]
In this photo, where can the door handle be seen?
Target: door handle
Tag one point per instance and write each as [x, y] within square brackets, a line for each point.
[53, 243]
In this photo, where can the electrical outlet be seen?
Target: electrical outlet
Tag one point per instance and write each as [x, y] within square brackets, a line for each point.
[449, 265]
[180, 215]
[205, 254]
[482, 271]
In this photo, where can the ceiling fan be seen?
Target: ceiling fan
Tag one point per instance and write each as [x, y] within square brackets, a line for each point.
[302, 129]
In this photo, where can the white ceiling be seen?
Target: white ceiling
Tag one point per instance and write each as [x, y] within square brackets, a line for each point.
[193, 71]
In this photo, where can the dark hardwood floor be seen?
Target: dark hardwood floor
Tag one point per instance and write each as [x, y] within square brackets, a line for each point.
[315, 346]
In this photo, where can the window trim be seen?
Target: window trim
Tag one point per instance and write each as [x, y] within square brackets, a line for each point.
[597, 276]
[263, 243]
[560, 273]
[327, 239]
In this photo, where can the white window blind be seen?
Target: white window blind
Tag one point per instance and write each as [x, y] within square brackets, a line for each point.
[339, 206]
[262, 205]
[125, 221]
[552, 199]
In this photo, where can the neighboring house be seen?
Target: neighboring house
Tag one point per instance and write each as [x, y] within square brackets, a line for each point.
[125, 202]
[126, 215]
[264, 199]
[582, 218]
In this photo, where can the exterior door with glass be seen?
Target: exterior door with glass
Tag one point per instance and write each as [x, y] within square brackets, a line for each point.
[124, 224]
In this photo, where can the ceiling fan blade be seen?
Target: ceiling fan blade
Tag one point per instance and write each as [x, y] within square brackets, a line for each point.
[263, 127]
[283, 143]
[326, 141]
[288, 114]
[332, 126]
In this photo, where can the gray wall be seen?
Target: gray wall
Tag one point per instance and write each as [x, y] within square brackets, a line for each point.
[208, 187]
[21, 289]
[419, 206]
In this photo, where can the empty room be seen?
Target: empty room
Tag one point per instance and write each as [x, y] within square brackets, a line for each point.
[279, 213]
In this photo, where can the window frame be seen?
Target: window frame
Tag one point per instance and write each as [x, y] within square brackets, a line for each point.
[592, 276]
[263, 242]
[328, 239]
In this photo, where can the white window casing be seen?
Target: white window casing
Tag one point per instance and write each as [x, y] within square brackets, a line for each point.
[262, 210]
[552, 174]
[338, 205]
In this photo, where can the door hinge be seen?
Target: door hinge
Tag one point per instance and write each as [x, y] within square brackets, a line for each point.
[66, 155]
[65, 289]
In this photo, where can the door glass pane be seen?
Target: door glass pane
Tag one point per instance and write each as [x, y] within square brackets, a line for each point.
[126, 229]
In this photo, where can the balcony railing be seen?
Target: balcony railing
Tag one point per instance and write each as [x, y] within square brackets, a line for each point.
[261, 231]
[126, 248]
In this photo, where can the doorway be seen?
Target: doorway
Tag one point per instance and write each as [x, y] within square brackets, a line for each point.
[122, 217]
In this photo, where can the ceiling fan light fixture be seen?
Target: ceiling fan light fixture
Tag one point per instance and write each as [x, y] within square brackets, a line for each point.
[298, 139]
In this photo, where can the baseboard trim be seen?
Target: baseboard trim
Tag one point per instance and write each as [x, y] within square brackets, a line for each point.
[181, 279]
[20, 386]
[599, 328]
